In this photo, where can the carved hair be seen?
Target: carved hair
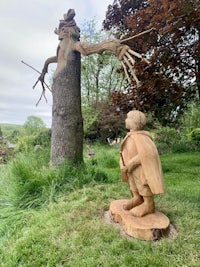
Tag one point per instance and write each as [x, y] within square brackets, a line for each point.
[138, 119]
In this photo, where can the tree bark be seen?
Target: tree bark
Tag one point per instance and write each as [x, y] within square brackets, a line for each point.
[67, 123]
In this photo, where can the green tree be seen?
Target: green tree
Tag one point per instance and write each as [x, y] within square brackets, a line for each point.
[191, 119]
[100, 75]
[99, 72]
[33, 125]
[34, 133]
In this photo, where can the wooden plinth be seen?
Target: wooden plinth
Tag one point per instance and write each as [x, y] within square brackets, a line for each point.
[149, 227]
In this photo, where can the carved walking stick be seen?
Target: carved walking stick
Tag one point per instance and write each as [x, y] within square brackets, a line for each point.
[123, 174]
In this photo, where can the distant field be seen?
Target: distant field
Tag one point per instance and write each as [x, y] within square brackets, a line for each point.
[9, 128]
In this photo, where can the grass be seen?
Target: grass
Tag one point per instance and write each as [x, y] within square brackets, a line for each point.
[70, 229]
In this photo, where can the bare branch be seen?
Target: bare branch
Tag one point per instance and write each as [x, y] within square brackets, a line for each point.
[137, 35]
[37, 72]
[42, 95]
[40, 79]
[30, 66]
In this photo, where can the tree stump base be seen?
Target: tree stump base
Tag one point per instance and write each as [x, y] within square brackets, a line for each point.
[149, 227]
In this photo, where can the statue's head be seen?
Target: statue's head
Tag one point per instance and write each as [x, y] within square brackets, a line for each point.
[67, 28]
[136, 120]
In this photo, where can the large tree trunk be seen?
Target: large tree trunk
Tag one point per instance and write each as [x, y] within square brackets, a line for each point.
[67, 123]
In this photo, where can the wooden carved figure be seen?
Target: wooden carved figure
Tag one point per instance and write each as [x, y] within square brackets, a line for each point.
[140, 166]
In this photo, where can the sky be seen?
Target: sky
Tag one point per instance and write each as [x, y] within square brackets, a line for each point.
[27, 34]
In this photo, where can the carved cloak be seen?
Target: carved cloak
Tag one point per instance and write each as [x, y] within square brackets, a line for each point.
[149, 158]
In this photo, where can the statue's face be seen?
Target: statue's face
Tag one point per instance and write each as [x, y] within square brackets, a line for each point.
[63, 32]
[68, 33]
[129, 122]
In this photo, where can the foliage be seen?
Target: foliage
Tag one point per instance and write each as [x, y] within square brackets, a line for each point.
[34, 133]
[73, 232]
[107, 123]
[33, 124]
[90, 115]
[43, 138]
[10, 131]
[6, 152]
[110, 125]
[172, 48]
[191, 118]
[24, 143]
[195, 136]
[9, 128]
[14, 135]
[170, 140]
[99, 73]
[165, 138]
[162, 100]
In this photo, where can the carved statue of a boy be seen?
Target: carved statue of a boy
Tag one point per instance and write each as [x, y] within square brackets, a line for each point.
[140, 166]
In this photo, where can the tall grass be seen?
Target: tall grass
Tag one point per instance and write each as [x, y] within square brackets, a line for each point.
[31, 182]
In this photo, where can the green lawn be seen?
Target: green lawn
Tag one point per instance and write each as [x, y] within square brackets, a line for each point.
[72, 231]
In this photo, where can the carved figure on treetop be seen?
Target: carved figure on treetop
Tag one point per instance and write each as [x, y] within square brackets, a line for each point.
[69, 34]
[65, 25]
[140, 166]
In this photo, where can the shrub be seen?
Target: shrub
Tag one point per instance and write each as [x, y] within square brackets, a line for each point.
[25, 143]
[184, 145]
[43, 138]
[165, 138]
[34, 125]
[191, 119]
[169, 140]
[195, 135]
[105, 124]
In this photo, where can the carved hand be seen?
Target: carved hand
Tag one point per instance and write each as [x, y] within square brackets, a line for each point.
[125, 55]
[121, 51]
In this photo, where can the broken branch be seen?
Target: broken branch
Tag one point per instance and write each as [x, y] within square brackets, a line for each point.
[38, 78]
[42, 82]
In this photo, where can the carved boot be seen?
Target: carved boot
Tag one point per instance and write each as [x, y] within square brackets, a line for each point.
[145, 208]
[135, 201]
